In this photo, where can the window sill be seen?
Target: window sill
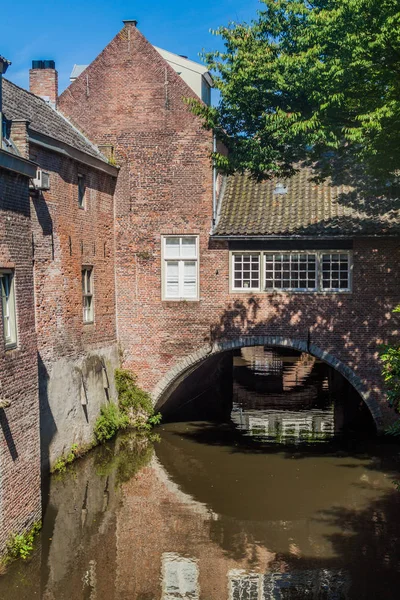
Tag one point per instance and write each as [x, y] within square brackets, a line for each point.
[186, 300]
[88, 322]
[10, 347]
[293, 292]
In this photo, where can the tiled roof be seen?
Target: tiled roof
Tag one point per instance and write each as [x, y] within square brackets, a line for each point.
[249, 208]
[20, 104]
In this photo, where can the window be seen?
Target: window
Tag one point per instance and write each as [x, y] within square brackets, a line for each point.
[8, 308]
[335, 271]
[87, 293]
[81, 191]
[292, 271]
[246, 271]
[180, 268]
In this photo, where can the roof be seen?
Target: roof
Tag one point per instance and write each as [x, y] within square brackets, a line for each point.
[251, 208]
[77, 70]
[43, 119]
[182, 61]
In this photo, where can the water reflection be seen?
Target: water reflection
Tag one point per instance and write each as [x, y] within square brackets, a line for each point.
[209, 513]
[289, 397]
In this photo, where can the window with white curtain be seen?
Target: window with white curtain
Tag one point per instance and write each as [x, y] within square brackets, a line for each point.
[180, 268]
[8, 308]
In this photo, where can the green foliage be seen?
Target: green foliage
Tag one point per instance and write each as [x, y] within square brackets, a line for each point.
[310, 80]
[134, 402]
[20, 545]
[130, 396]
[390, 357]
[75, 452]
[109, 422]
[134, 409]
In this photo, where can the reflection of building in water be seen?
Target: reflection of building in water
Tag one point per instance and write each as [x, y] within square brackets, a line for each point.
[180, 577]
[319, 583]
[291, 369]
[284, 426]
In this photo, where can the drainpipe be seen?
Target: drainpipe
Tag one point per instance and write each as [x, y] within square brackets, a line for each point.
[4, 64]
[214, 209]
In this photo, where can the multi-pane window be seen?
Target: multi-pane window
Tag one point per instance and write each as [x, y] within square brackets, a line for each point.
[180, 277]
[292, 271]
[335, 271]
[8, 308]
[246, 271]
[81, 191]
[87, 294]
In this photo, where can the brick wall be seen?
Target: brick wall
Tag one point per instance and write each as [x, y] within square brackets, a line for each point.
[71, 353]
[19, 423]
[164, 187]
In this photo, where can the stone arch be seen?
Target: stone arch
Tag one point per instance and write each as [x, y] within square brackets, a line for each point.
[190, 362]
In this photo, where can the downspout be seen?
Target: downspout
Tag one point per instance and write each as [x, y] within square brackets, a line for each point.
[214, 191]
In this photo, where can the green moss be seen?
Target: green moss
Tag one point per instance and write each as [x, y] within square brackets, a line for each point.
[20, 545]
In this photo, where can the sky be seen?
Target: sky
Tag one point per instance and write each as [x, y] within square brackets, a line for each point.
[76, 31]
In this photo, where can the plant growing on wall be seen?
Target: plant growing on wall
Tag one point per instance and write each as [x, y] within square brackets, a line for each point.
[134, 409]
[390, 356]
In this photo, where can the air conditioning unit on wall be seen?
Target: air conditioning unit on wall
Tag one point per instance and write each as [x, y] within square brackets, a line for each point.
[41, 181]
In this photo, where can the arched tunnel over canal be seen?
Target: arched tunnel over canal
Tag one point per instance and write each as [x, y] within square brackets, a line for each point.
[281, 394]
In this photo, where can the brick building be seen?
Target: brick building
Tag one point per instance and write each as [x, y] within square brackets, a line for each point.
[200, 273]
[159, 255]
[20, 498]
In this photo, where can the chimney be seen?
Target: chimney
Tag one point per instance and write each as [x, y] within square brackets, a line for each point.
[130, 22]
[43, 81]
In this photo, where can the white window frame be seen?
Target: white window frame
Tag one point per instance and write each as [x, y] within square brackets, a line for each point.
[232, 271]
[319, 282]
[180, 260]
[9, 311]
[87, 294]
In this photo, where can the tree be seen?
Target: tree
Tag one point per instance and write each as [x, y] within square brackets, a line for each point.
[315, 81]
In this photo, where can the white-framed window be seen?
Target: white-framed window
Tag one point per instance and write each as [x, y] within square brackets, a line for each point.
[87, 294]
[180, 277]
[8, 308]
[335, 271]
[81, 191]
[246, 270]
[291, 271]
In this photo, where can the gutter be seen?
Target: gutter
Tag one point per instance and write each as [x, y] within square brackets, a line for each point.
[17, 164]
[266, 237]
[43, 141]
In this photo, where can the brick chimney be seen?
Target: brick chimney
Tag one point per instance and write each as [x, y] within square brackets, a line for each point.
[43, 80]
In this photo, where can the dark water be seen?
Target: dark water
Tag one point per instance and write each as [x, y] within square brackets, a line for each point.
[221, 511]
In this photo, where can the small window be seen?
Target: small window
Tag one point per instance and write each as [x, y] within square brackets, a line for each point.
[81, 191]
[335, 272]
[180, 264]
[8, 308]
[246, 271]
[87, 293]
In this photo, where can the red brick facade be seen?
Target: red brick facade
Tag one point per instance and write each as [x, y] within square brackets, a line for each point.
[71, 352]
[20, 498]
[164, 187]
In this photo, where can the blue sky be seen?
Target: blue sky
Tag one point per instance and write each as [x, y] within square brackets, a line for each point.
[76, 31]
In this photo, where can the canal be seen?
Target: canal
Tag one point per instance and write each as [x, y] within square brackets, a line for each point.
[290, 498]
